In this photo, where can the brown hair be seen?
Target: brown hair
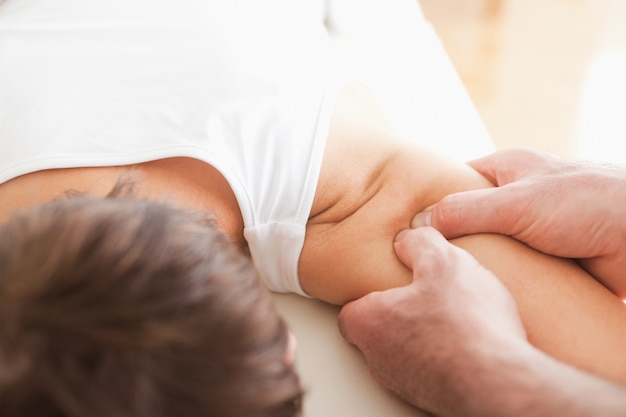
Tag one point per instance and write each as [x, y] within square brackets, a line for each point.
[123, 307]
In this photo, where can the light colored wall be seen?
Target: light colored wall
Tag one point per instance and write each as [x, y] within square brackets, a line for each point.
[543, 73]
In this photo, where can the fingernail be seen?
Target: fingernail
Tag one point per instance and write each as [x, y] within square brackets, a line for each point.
[400, 235]
[421, 219]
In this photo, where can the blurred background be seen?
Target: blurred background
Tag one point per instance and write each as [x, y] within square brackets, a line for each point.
[548, 74]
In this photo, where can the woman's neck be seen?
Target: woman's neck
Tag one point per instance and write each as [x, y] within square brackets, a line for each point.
[181, 181]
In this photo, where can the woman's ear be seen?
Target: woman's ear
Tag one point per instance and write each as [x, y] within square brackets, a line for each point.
[290, 351]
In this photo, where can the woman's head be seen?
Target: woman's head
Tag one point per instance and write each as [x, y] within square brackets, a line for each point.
[123, 307]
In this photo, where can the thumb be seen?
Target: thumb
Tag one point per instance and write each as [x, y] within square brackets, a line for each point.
[478, 211]
[353, 321]
[419, 248]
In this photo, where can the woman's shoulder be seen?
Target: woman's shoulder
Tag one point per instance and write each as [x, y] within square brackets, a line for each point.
[366, 162]
[371, 184]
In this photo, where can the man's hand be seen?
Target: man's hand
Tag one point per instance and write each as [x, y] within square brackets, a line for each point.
[560, 207]
[452, 343]
[434, 341]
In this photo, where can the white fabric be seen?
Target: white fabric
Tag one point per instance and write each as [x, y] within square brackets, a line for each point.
[238, 84]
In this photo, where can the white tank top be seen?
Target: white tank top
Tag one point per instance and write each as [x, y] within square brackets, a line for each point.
[237, 84]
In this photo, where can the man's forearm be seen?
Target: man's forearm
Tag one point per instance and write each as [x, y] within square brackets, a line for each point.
[532, 384]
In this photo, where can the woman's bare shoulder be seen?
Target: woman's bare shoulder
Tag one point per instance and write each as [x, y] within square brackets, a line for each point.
[371, 184]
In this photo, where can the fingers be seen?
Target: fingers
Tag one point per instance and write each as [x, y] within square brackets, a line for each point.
[488, 166]
[422, 250]
[507, 166]
[492, 210]
[478, 211]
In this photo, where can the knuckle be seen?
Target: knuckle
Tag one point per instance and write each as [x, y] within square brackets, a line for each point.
[428, 237]
[442, 212]
[432, 258]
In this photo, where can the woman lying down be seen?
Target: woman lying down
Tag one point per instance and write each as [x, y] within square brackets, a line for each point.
[148, 301]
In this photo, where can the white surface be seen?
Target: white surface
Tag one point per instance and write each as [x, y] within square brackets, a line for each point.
[333, 374]
[389, 45]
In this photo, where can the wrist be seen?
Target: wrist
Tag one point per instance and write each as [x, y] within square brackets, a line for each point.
[609, 260]
[524, 381]
[500, 382]
[490, 378]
